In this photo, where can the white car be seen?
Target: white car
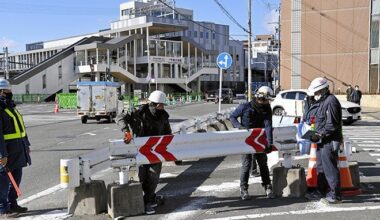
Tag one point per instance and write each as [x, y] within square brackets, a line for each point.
[291, 102]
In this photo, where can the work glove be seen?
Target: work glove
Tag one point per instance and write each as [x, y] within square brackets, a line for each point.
[315, 138]
[268, 148]
[3, 161]
[127, 137]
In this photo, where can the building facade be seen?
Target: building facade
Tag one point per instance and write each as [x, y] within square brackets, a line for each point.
[329, 38]
[151, 46]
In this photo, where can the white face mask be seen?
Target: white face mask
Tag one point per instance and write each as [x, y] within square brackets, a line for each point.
[317, 97]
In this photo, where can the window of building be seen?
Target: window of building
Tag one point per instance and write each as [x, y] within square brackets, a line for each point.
[207, 35]
[257, 44]
[195, 34]
[189, 33]
[201, 34]
[44, 81]
[213, 35]
[374, 34]
[237, 57]
[27, 91]
[60, 72]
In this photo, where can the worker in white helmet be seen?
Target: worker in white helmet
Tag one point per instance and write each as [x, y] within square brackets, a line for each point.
[256, 114]
[14, 152]
[328, 126]
[150, 119]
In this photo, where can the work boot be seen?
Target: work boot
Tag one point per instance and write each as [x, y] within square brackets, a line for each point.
[17, 208]
[149, 210]
[8, 215]
[269, 192]
[331, 199]
[244, 194]
[255, 173]
[313, 195]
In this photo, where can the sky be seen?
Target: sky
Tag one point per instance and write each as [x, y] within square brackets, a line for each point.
[28, 21]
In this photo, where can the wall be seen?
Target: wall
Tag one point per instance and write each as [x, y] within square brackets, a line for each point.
[372, 101]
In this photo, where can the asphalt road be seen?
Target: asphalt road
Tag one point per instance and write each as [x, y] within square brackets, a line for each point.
[199, 189]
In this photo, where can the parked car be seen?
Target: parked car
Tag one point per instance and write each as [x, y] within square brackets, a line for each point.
[211, 96]
[291, 102]
[227, 96]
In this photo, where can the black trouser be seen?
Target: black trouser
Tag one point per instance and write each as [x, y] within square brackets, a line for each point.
[149, 177]
[246, 166]
[254, 164]
[327, 166]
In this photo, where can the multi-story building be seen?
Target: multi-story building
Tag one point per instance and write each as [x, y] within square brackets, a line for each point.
[330, 38]
[150, 46]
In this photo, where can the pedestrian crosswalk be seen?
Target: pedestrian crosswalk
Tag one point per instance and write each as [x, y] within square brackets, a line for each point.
[365, 136]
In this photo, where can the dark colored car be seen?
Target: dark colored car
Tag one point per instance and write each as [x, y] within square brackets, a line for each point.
[227, 96]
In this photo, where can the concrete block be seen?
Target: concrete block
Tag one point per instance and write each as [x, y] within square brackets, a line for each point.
[289, 182]
[355, 176]
[88, 198]
[125, 200]
[133, 173]
[228, 124]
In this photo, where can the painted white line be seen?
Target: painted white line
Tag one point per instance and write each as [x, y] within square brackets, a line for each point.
[369, 145]
[41, 194]
[371, 149]
[378, 159]
[364, 138]
[56, 214]
[374, 155]
[327, 209]
[186, 211]
[167, 175]
[368, 142]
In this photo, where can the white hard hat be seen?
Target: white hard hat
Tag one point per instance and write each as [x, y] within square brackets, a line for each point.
[157, 97]
[4, 84]
[264, 92]
[317, 84]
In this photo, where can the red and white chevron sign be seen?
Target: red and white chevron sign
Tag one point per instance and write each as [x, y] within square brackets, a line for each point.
[149, 150]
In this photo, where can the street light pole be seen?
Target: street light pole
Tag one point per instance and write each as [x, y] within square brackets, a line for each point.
[186, 87]
[249, 50]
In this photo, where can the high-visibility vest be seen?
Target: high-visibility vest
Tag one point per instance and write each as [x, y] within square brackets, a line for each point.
[18, 133]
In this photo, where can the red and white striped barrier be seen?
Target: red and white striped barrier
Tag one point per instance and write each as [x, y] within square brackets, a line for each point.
[150, 150]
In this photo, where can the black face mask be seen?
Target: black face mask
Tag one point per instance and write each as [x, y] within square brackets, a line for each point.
[8, 96]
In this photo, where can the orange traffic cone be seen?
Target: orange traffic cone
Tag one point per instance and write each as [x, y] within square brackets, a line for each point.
[311, 179]
[56, 109]
[345, 177]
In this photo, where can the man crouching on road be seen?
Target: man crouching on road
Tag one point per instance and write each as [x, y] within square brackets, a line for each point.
[14, 152]
[256, 114]
[150, 120]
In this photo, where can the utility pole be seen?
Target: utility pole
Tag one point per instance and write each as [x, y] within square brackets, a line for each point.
[279, 44]
[6, 67]
[249, 50]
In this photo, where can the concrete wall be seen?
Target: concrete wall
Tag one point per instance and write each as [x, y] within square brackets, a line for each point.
[372, 101]
[53, 84]
[334, 42]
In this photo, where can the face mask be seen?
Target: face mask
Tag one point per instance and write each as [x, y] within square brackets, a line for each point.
[8, 95]
[317, 97]
[152, 109]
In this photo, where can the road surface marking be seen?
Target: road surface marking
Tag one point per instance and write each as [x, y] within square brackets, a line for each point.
[374, 155]
[41, 194]
[322, 209]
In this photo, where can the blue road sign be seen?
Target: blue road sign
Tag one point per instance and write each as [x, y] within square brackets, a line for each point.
[224, 60]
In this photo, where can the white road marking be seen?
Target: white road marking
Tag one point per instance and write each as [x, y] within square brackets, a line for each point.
[186, 211]
[322, 209]
[364, 138]
[374, 155]
[378, 159]
[56, 214]
[41, 194]
[371, 149]
[369, 145]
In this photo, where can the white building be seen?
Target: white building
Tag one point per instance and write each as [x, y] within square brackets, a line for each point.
[151, 45]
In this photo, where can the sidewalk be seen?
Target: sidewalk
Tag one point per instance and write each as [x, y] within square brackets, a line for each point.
[373, 112]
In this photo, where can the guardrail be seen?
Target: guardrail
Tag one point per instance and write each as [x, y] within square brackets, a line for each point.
[77, 170]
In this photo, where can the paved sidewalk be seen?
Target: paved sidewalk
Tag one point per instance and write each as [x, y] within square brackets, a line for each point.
[373, 112]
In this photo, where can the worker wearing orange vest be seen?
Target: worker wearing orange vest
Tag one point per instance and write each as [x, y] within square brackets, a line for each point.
[14, 152]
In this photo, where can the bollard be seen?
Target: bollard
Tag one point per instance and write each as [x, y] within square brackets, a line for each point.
[69, 172]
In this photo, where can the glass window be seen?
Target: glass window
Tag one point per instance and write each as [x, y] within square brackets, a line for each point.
[44, 81]
[201, 34]
[374, 34]
[206, 35]
[60, 72]
[213, 35]
[189, 33]
[301, 96]
[291, 95]
[195, 34]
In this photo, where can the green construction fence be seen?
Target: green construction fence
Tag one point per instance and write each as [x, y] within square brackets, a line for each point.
[67, 100]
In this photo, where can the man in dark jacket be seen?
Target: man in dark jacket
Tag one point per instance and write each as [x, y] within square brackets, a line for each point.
[150, 120]
[14, 152]
[328, 126]
[356, 95]
[349, 91]
[255, 114]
